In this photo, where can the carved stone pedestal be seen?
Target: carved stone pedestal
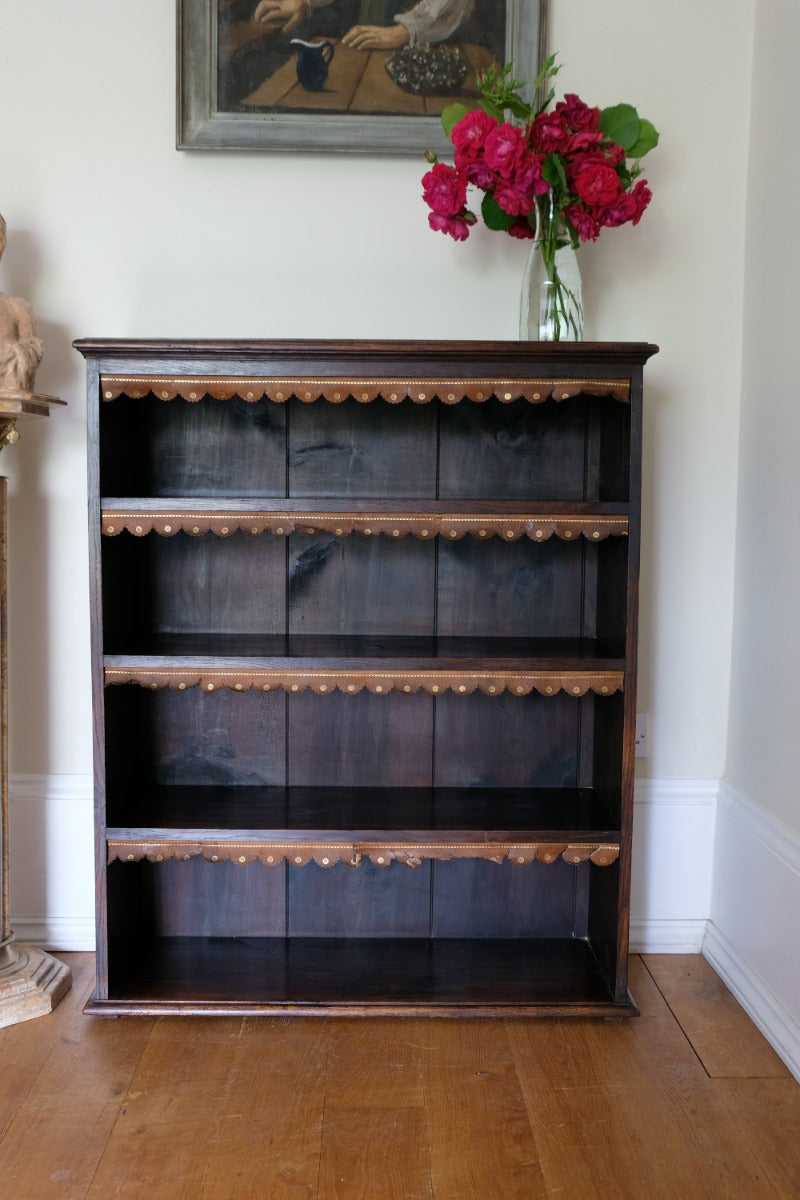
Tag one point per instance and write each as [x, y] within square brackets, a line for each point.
[31, 981]
[32, 985]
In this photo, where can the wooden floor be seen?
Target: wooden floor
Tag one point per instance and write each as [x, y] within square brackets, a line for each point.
[686, 1101]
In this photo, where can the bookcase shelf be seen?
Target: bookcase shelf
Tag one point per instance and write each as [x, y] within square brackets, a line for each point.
[362, 607]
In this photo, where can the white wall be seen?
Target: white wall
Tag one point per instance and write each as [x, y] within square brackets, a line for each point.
[114, 233]
[756, 895]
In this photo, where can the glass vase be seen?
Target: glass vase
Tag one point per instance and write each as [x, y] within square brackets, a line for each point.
[551, 303]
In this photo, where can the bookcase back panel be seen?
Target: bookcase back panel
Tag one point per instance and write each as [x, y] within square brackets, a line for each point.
[376, 450]
[211, 447]
[363, 901]
[486, 899]
[194, 737]
[361, 740]
[361, 585]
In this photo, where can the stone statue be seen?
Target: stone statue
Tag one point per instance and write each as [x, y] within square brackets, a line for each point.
[20, 348]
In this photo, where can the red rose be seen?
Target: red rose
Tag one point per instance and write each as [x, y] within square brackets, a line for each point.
[444, 190]
[504, 148]
[469, 135]
[576, 114]
[621, 209]
[642, 196]
[549, 134]
[482, 176]
[457, 226]
[585, 139]
[520, 229]
[593, 180]
[588, 226]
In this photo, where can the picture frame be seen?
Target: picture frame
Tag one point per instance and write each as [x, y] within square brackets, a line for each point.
[238, 85]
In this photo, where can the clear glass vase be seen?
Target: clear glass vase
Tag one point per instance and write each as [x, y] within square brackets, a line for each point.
[551, 303]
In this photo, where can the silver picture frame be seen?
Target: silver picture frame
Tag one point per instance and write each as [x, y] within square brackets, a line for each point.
[211, 115]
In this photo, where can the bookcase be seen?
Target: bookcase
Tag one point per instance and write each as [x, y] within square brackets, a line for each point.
[364, 628]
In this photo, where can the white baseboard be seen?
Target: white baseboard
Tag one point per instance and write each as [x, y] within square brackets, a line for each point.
[54, 933]
[667, 937]
[752, 938]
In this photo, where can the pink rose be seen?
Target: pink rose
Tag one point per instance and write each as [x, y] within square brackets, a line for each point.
[576, 114]
[504, 148]
[444, 190]
[482, 176]
[549, 134]
[457, 226]
[587, 225]
[469, 136]
[593, 180]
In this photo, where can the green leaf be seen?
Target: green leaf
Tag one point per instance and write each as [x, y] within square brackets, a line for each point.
[553, 171]
[621, 124]
[493, 215]
[452, 115]
[647, 140]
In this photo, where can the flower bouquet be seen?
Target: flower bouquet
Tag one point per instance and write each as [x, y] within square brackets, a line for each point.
[556, 177]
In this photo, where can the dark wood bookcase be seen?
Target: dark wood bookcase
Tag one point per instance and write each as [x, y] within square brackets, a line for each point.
[364, 661]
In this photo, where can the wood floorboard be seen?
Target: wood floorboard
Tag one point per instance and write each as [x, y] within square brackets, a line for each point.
[724, 1038]
[686, 1100]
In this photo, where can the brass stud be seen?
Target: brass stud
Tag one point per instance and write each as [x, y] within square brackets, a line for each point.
[224, 529]
[395, 533]
[540, 533]
[338, 532]
[565, 395]
[270, 858]
[254, 529]
[209, 687]
[279, 395]
[308, 395]
[181, 687]
[109, 395]
[481, 533]
[492, 688]
[509, 533]
[130, 858]
[238, 687]
[165, 395]
[537, 395]
[367, 532]
[295, 687]
[167, 529]
[604, 689]
[423, 532]
[462, 688]
[351, 687]
[567, 533]
[215, 858]
[381, 859]
[195, 529]
[242, 858]
[109, 528]
[337, 395]
[520, 859]
[139, 529]
[508, 395]
[279, 530]
[298, 859]
[421, 395]
[435, 688]
[479, 395]
[323, 687]
[451, 396]
[159, 858]
[520, 690]
[154, 686]
[365, 395]
[192, 395]
[186, 857]
[406, 687]
[596, 534]
[576, 691]
[393, 396]
[249, 396]
[325, 862]
[378, 688]
[549, 691]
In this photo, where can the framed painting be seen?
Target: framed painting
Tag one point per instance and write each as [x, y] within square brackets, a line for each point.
[341, 75]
